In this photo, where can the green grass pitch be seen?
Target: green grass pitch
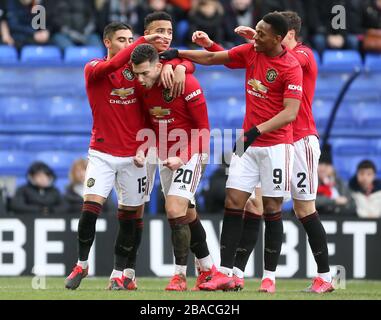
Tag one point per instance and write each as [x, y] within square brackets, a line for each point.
[20, 288]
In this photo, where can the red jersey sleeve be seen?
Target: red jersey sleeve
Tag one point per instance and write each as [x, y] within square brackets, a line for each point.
[196, 104]
[98, 68]
[303, 57]
[215, 47]
[238, 55]
[293, 82]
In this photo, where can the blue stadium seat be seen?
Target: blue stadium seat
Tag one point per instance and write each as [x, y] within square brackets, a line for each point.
[346, 116]
[182, 28]
[59, 161]
[321, 110]
[38, 143]
[41, 54]
[69, 111]
[373, 62]
[341, 60]
[354, 147]
[328, 85]
[16, 82]
[82, 55]
[75, 143]
[367, 86]
[14, 162]
[8, 54]
[22, 111]
[370, 115]
[10, 142]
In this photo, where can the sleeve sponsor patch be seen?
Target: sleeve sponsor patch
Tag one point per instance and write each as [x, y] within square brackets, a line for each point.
[93, 63]
[193, 94]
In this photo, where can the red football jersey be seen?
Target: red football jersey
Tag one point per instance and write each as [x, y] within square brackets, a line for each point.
[269, 80]
[173, 120]
[304, 125]
[117, 114]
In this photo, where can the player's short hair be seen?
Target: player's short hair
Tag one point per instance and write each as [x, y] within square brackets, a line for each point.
[366, 164]
[293, 20]
[143, 53]
[156, 16]
[278, 23]
[113, 27]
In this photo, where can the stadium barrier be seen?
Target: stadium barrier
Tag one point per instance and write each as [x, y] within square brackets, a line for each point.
[47, 246]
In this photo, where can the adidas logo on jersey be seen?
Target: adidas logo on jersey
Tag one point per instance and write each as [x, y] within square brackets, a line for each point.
[277, 188]
[183, 187]
[302, 191]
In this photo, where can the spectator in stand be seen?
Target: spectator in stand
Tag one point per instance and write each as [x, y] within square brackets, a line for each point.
[149, 6]
[238, 13]
[207, 16]
[124, 11]
[38, 195]
[324, 35]
[372, 24]
[72, 22]
[19, 15]
[73, 196]
[333, 196]
[297, 6]
[366, 190]
[6, 37]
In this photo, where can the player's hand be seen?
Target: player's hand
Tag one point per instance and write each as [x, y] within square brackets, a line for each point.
[139, 159]
[178, 87]
[155, 38]
[202, 39]
[173, 163]
[169, 54]
[245, 141]
[245, 32]
[166, 76]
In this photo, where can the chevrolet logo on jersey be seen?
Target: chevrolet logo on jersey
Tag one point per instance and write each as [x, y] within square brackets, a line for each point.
[257, 85]
[159, 112]
[122, 92]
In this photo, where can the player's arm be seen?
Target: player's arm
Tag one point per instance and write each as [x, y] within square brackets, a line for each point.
[202, 39]
[292, 95]
[205, 57]
[283, 118]
[99, 69]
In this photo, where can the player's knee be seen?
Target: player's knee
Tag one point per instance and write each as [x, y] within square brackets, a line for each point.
[173, 211]
[304, 208]
[254, 205]
[271, 205]
[234, 201]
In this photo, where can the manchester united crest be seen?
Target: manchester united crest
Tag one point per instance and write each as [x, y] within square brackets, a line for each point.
[271, 75]
[90, 182]
[128, 74]
[166, 96]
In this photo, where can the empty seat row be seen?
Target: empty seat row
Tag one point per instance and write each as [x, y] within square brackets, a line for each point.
[43, 55]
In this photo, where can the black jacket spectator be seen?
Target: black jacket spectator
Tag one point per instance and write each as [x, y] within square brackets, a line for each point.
[36, 196]
[124, 11]
[237, 14]
[19, 14]
[6, 37]
[72, 22]
[74, 201]
[207, 16]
